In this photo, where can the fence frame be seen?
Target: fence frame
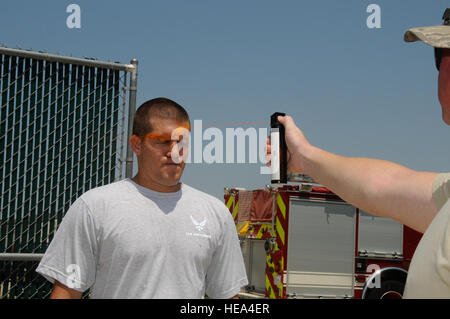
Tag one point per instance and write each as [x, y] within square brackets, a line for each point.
[131, 68]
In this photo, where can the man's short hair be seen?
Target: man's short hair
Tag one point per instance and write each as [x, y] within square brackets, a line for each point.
[162, 108]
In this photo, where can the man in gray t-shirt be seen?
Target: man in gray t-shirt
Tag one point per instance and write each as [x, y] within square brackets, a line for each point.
[150, 236]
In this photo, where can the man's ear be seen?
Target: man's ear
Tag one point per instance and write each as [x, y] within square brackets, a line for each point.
[136, 144]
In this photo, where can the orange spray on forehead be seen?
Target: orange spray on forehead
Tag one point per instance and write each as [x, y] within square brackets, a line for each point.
[165, 138]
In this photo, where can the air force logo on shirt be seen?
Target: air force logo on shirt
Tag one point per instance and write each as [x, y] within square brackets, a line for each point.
[199, 226]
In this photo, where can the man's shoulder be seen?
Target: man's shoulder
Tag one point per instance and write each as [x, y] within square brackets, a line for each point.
[206, 200]
[194, 192]
[106, 192]
[208, 204]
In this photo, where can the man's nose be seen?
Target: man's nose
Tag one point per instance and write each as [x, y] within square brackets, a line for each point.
[177, 153]
[173, 147]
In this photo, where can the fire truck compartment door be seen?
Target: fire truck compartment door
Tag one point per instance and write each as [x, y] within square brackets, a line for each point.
[255, 263]
[379, 235]
[321, 248]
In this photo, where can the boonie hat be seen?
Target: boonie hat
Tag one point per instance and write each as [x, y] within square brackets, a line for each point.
[437, 36]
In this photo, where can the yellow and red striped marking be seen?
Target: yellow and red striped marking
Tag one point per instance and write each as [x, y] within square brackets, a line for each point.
[275, 262]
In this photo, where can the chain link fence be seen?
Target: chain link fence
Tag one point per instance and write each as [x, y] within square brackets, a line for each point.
[63, 130]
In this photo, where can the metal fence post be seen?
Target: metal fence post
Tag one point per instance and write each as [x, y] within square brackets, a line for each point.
[131, 111]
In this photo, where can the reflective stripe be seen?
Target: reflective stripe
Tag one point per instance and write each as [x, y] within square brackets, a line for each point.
[230, 201]
[280, 230]
[281, 205]
[260, 232]
[243, 228]
[235, 211]
[270, 288]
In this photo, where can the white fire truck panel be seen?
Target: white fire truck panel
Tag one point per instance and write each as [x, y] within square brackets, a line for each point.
[321, 246]
[379, 236]
[255, 263]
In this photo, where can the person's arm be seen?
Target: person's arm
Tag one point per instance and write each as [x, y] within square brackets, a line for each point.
[71, 257]
[61, 291]
[378, 187]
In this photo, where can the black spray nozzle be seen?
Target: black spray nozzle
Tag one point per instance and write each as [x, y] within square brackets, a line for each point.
[274, 119]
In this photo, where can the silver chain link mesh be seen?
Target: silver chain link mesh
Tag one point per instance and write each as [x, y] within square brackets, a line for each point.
[62, 132]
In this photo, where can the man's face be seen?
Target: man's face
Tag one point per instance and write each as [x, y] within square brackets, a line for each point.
[154, 153]
[444, 85]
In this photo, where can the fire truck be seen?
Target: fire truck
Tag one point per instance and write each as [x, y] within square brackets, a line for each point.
[303, 241]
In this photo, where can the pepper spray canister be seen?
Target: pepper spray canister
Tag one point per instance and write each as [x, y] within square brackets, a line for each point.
[278, 150]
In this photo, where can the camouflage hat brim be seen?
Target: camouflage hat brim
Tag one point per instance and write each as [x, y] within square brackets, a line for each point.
[437, 36]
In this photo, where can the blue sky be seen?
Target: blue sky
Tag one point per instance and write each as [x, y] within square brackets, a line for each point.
[353, 90]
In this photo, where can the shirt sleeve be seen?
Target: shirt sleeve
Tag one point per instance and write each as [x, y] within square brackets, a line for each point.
[441, 189]
[226, 274]
[71, 256]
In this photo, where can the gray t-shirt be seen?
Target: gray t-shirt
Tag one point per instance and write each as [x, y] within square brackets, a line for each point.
[123, 240]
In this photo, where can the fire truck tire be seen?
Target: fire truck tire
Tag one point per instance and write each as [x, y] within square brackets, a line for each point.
[390, 289]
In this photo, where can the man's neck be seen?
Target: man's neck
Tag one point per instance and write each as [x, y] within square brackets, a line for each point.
[147, 183]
